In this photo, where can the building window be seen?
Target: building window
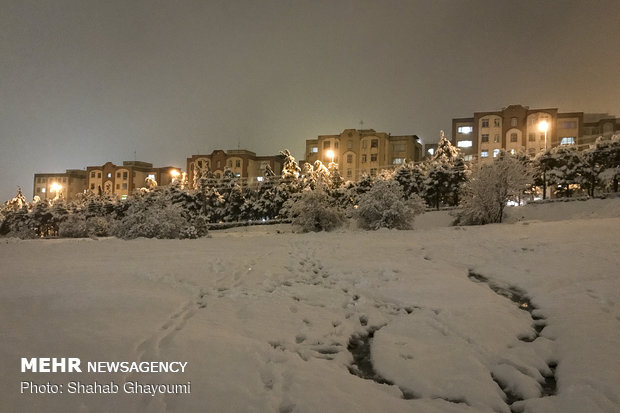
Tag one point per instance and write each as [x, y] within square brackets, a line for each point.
[349, 144]
[98, 174]
[374, 143]
[468, 158]
[259, 178]
[467, 144]
[125, 185]
[109, 174]
[399, 147]
[349, 173]
[484, 154]
[568, 140]
[229, 163]
[373, 171]
[495, 153]
[349, 158]
[364, 158]
[569, 125]
[118, 175]
[92, 187]
[496, 122]
[465, 129]
[151, 176]
[373, 157]
[513, 137]
[125, 176]
[43, 190]
[118, 186]
[531, 137]
[364, 144]
[485, 137]
[431, 151]
[219, 164]
[92, 174]
[335, 144]
[327, 145]
[238, 163]
[314, 149]
[514, 122]
[485, 123]
[38, 190]
[496, 138]
[542, 136]
[397, 161]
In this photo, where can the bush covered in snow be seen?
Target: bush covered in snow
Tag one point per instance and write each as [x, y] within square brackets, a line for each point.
[385, 206]
[314, 210]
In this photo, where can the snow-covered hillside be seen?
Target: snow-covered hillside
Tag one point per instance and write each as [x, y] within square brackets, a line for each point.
[269, 320]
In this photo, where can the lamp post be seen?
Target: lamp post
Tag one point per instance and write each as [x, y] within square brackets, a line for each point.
[56, 188]
[330, 153]
[543, 126]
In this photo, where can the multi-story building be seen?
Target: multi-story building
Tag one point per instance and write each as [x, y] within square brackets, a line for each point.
[363, 151]
[59, 185]
[519, 128]
[110, 179]
[243, 163]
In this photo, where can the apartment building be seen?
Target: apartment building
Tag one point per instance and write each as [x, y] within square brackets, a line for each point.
[59, 185]
[360, 151]
[122, 180]
[243, 163]
[519, 128]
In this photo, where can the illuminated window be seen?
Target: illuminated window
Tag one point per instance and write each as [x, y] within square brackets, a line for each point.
[466, 144]
[109, 174]
[431, 151]
[485, 123]
[569, 140]
[259, 178]
[43, 190]
[484, 154]
[495, 153]
[397, 161]
[465, 129]
[468, 158]
[314, 149]
[485, 137]
[151, 176]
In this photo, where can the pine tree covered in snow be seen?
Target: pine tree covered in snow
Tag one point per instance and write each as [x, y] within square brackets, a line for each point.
[446, 173]
[565, 169]
[385, 206]
[314, 210]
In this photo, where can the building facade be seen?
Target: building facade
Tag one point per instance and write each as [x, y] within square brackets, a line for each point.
[363, 151]
[519, 128]
[243, 163]
[122, 181]
[60, 185]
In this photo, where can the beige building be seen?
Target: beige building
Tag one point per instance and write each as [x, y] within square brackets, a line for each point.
[243, 163]
[62, 185]
[363, 151]
[121, 181]
[519, 128]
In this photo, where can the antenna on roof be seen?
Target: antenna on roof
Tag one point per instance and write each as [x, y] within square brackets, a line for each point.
[135, 157]
[361, 124]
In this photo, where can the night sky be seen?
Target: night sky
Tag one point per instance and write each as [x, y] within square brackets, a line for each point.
[86, 82]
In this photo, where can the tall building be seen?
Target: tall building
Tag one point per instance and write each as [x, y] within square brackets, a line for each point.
[519, 128]
[62, 185]
[243, 163]
[363, 151]
[111, 179]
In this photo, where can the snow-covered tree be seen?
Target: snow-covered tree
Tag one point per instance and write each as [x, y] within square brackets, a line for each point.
[565, 169]
[446, 173]
[313, 210]
[290, 168]
[491, 186]
[385, 206]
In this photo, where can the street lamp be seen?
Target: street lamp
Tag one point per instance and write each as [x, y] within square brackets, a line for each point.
[330, 154]
[543, 126]
[56, 188]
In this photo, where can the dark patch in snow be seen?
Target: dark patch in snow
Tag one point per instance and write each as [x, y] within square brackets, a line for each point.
[359, 346]
[510, 396]
[549, 387]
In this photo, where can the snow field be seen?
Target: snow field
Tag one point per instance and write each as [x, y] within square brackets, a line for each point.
[264, 317]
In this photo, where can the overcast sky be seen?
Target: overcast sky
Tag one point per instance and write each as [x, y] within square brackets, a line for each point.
[86, 82]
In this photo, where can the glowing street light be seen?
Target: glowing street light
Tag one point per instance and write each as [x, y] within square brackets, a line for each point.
[543, 126]
[56, 188]
[330, 154]
[174, 174]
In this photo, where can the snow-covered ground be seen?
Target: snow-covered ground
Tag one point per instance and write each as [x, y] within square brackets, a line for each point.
[264, 317]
